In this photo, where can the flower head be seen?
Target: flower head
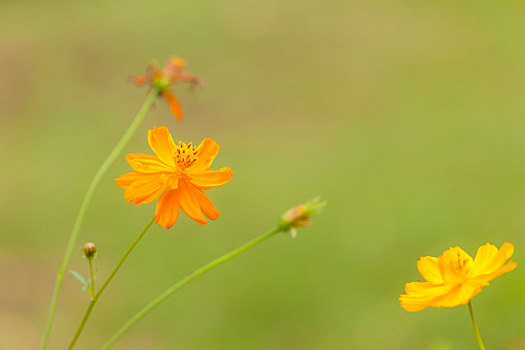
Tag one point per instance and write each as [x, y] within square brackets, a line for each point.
[89, 249]
[162, 78]
[455, 278]
[179, 174]
[300, 215]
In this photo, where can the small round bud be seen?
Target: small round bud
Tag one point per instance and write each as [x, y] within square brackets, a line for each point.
[90, 249]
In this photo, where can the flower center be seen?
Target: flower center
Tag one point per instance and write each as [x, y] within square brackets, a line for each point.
[463, 265]
[161, 84]
[185, 155]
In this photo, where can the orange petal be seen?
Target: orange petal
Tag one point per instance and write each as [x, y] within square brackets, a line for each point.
[204, 202]
[162, 144]
[189, 203]
[174, 104]
[167, 210]
[126, 180]
[141, 79]
[173, 68]
[145, 188]
[177, 62]
[188, 77]
[210, 178]
[206, 153]
[145, 163]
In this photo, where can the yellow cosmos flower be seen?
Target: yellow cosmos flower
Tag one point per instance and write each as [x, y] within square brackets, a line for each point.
[455, 278]
[179, 174]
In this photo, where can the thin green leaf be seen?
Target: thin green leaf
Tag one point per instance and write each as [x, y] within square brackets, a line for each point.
[80, 279]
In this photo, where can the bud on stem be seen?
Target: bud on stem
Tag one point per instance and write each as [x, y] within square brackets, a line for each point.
[300, 216]
[90, 250]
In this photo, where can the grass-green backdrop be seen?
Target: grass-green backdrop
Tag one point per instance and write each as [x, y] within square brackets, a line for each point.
[408, 117]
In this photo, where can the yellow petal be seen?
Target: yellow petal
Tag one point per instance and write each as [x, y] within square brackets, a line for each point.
[454, 262]
[489, 259]
[486, 278]
[420, 295]
[460, 294]
[428, 267]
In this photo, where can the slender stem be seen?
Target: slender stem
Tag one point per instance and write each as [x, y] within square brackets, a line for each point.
[106, 282]
[475, 325]
[158, 300]
[92, 276]
[83, 208]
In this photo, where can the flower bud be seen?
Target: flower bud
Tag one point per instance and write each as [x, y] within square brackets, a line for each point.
[89, 250]
[300, 215]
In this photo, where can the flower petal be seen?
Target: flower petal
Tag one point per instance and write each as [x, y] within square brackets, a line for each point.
[452, 262]
[460, 294]
[420, 295]
[141, 79]
[167, 210]
[489, 259]
[188, 77]
[206, 153]
[146, 163]
[174, 104]
[210, 178]
[485, 279]
[204, 202]
[428, 267]
[189, 203]
[144, 188]
[162, 144]
[127, 179]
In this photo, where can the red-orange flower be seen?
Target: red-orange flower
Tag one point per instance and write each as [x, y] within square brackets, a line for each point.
[162, 78]
[179, 174]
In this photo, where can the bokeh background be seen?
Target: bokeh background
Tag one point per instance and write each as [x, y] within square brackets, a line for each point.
[408, 117]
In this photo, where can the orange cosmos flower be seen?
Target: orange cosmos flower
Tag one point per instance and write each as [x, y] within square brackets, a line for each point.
[454, 278]
[179, 174]
[162, 78]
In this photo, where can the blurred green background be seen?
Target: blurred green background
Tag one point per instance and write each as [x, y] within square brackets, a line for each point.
[407, 117]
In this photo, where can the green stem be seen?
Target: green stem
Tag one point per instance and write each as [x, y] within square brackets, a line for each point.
[153, 304]
[83, 208]
[106, 282]
[92, 276]
[475, 325]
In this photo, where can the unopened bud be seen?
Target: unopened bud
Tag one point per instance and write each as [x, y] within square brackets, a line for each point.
[90, 249]
[300, 215]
